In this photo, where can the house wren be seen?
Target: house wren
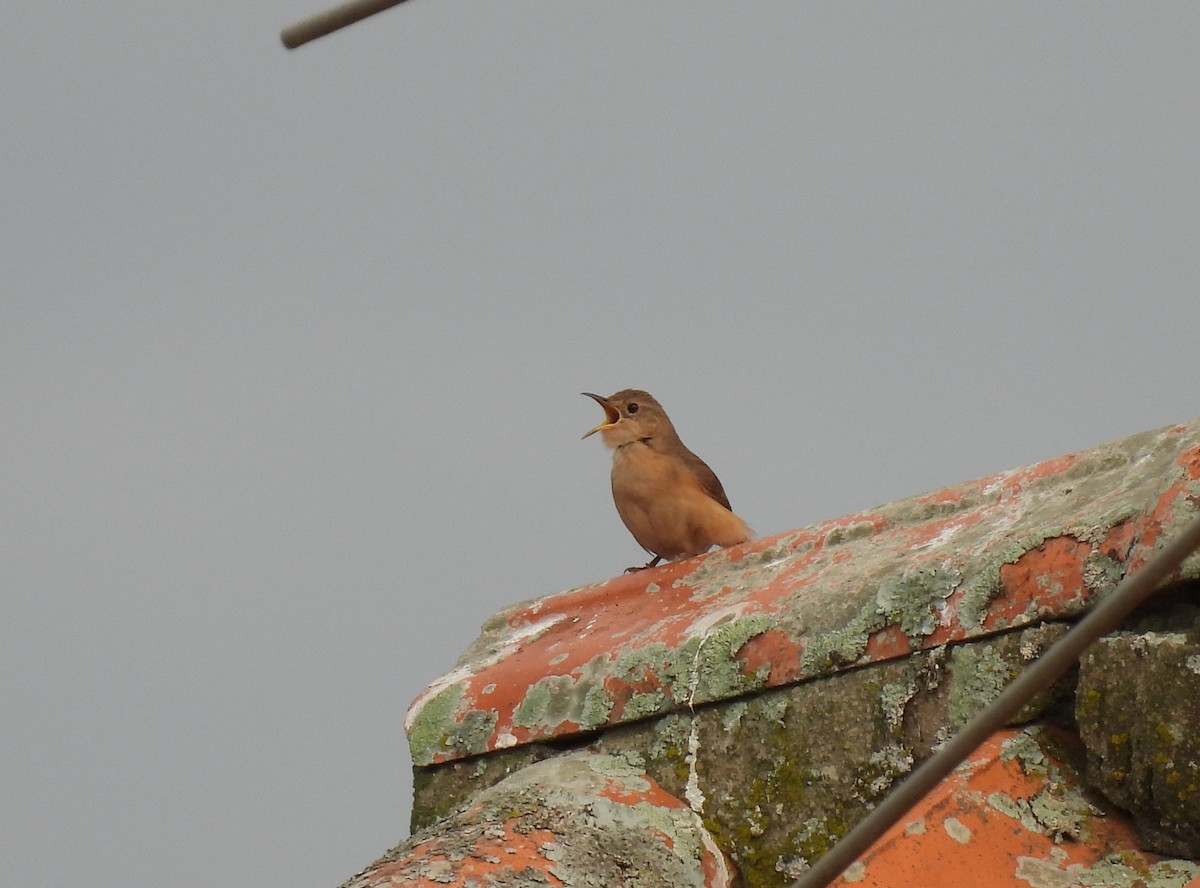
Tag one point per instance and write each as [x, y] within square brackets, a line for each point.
[670, 500]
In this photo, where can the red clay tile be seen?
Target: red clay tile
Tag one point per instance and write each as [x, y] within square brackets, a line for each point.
[1003, 551]
[1013, 814]
[573, 820]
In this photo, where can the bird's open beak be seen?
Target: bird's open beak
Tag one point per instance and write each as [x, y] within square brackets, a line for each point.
[610, 413]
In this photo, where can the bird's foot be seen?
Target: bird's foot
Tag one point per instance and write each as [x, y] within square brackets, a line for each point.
[651, 563]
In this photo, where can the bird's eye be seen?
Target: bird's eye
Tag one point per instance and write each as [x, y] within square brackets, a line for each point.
[632, 408]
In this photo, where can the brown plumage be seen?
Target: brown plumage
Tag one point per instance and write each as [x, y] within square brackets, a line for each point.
[670, 500]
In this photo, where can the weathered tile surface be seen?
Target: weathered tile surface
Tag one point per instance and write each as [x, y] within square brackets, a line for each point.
[1138, 708]
[965, 562]
[1015, 813]
[579, 820]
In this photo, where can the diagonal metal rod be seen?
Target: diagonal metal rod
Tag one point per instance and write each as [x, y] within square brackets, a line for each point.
[1048, 668]
[332, 20]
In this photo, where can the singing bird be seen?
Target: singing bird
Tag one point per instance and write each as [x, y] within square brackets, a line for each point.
[668, 497]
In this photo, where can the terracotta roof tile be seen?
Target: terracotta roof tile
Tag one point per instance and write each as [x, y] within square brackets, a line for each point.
[1003, 551]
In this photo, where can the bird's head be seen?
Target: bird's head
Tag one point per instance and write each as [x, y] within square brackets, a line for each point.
[630, 415]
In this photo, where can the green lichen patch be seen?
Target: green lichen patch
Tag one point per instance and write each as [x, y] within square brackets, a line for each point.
[882, 768]
[596, 707]
[913, 600]
[848, 533]
[843, 646]
[703, 668]
[578, 698]
[1107, 873]
[1061, 809]
[957, 830]
[659, 666]
[643, 704]
[731, 715]
[718, 674]
[894, 697]
[438, 728]
[979, 672]
[1062, 813]
[982, 584]
[1102, 573]
[545, 703]
[714, 574]
[1026, 749]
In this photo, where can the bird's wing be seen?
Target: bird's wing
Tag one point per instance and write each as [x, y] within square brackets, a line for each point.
[707, 478]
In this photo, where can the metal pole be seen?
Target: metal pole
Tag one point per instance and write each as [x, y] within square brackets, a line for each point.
[332, 20]
[1047, 669]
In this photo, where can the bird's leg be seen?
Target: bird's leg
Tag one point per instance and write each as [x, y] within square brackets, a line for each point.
[651, 563]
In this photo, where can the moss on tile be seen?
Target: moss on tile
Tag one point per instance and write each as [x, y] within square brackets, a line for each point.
[434, 728]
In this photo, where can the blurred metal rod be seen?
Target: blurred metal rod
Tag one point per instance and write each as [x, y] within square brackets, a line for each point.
[332, 20]
[1047, 669]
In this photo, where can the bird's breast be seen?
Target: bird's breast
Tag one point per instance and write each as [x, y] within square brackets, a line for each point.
[639, 472]
[666, 506]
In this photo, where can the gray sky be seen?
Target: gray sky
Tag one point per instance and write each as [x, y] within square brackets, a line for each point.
[291, 347]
